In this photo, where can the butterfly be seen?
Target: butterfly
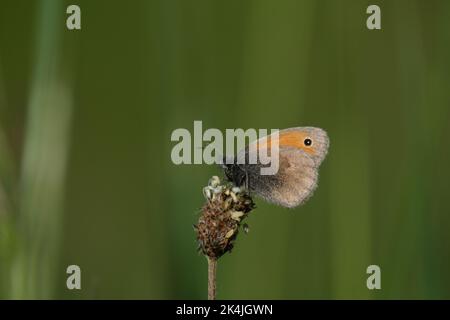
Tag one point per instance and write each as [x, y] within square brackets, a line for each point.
[301, 151]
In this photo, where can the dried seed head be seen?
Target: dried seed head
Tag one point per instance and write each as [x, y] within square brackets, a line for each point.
[229, 233]
[220, 219]
[237, 215]
[214, 181]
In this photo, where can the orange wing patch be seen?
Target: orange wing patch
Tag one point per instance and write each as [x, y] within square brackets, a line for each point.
[291, 138]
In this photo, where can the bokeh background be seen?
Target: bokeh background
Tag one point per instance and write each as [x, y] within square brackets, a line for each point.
[85, 123]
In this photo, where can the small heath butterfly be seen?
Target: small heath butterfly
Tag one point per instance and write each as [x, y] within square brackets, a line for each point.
[301, 151]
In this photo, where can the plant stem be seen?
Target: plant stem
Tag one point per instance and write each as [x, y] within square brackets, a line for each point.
[212, 268]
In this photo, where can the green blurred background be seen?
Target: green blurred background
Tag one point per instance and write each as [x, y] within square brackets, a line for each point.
[85, 123]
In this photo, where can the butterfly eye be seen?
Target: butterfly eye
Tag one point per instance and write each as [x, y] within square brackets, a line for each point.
[307, 142]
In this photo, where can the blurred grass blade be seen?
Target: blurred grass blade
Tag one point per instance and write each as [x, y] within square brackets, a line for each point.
[43, 163]
[7, 182]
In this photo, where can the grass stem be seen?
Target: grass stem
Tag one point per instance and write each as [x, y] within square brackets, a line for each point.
[212, 271]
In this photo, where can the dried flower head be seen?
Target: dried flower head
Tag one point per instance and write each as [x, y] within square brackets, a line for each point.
[221, 217]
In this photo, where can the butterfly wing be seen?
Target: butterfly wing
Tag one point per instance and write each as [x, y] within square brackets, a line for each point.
[297, 176]
[295, 138]
[292, 185]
